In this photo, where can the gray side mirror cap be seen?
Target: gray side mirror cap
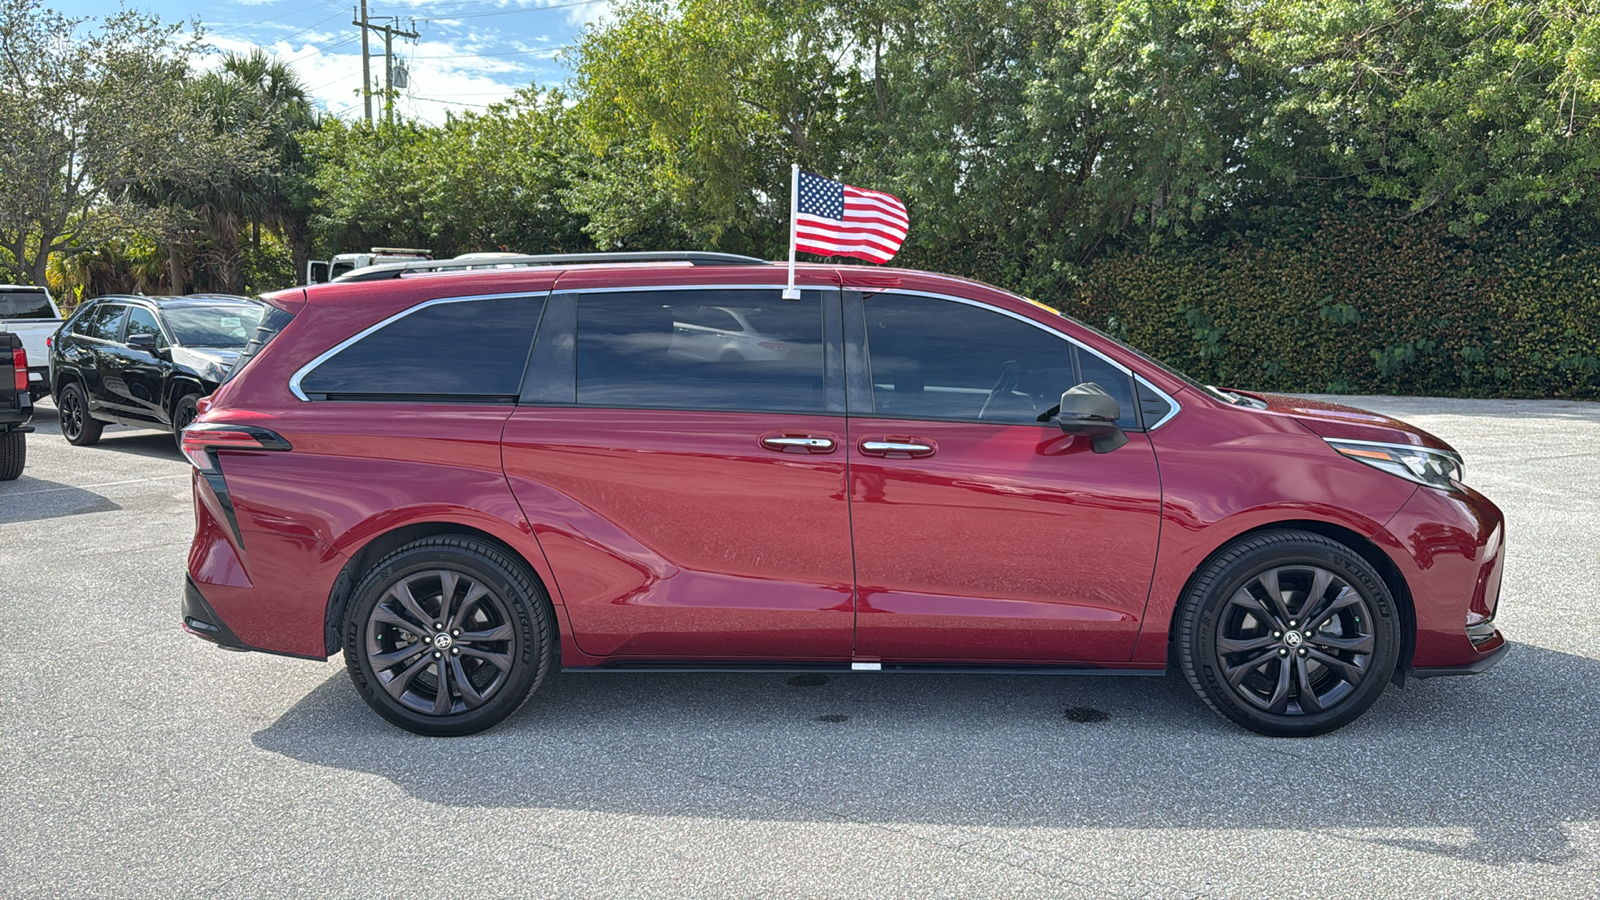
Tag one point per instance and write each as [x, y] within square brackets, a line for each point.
[1088, 410]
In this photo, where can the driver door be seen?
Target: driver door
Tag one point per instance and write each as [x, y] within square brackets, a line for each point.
[981, 534]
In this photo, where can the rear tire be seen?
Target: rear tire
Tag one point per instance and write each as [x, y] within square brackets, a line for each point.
[1288, 633]
[448, 635]
[13, 455]
[77, 426]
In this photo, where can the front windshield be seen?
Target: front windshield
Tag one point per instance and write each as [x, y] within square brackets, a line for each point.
[225, 326]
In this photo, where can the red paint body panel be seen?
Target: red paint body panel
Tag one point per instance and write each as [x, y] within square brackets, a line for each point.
[1009, 544]
[676, 535]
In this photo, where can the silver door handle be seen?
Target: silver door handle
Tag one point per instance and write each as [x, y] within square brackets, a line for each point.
[813, 444]
[894, 447]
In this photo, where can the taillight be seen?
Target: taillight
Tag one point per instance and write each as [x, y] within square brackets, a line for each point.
[19, 363]
[201, 442]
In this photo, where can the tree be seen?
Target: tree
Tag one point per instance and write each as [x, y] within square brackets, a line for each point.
[493, 181]
[86, 114]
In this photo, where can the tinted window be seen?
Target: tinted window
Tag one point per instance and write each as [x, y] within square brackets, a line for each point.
[227, 326]
[103, 322]
[25, 304]
[453, 348]
[687, 350]
[142, 321]
[938, 359]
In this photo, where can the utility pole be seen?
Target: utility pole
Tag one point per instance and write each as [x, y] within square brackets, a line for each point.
[390, 32]
[366, 71]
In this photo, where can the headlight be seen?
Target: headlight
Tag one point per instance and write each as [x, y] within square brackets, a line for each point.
[1435, 468]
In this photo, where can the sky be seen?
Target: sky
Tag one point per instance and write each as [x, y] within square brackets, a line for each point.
[468, 53]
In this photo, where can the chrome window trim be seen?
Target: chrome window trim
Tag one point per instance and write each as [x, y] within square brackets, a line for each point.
[303, 371]
[1171, 403]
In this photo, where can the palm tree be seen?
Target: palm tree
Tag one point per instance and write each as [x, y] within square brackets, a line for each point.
[259, 98]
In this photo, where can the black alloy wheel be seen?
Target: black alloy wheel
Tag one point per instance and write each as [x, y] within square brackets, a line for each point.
[183, 415]
[1289, 633]
[77, 426]
[448, 636]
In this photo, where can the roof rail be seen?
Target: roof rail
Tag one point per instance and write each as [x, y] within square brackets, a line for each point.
[696, 257]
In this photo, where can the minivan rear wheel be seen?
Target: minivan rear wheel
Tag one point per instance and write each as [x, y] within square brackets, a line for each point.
[1288, 633]
[448, 635]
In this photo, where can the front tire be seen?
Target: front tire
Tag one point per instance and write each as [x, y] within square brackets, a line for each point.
[183, 414]
[77, 426]
[13, 455]
[1288, 634]
[448, 635]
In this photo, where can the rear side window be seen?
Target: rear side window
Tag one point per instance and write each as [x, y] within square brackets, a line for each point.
[25, 304]
[104, 322]
[938, 359]
[705, 350]
[473, 348]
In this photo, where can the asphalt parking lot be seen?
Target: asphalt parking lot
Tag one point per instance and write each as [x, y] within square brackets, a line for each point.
[139, 761]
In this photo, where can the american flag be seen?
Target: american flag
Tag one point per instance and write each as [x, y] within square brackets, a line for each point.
[834, 219]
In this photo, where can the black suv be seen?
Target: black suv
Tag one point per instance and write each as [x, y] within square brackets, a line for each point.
[145, 360]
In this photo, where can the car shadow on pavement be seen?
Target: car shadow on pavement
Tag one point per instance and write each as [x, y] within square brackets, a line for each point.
[29, 499]
[1488, 768]
[152, 442]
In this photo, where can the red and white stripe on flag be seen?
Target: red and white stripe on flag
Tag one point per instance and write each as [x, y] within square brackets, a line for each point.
[835, 219]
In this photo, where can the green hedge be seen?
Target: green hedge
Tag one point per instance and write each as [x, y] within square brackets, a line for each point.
[1361, 301]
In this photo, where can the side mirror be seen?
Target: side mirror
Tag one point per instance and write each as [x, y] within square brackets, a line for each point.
[1088, 410]
[144, 342]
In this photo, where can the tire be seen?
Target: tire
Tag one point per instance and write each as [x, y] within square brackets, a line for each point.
[184, 412]
[397, 654]
[77, 426]
[1253, 660]
[13, 455]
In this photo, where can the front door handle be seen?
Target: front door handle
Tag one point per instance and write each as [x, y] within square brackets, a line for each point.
[809, 443]
[897, 446]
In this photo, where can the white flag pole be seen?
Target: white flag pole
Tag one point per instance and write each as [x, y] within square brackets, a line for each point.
[791, 292]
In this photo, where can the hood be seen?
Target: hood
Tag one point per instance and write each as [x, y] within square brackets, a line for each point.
[210, 363]
[1335, 420]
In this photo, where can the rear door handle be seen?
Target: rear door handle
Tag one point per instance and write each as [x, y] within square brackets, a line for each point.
[897, 446]
[809, 443]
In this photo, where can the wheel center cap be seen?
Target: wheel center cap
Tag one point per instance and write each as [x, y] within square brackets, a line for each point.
[443, 640]
[1292, 639]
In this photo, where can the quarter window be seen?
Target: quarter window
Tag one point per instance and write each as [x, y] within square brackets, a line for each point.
[938, 359]
[712, 350]
[472, 349]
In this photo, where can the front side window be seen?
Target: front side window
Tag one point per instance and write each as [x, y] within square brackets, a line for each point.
[693, 349]
[467, 349]
[143, 321]
[939, 359]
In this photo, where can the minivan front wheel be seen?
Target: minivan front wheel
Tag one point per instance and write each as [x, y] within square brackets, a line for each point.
[448, 635]
[1288, 633]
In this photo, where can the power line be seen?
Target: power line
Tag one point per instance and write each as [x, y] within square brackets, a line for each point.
[513, 12]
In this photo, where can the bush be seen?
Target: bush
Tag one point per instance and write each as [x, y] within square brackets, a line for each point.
[1361, 301]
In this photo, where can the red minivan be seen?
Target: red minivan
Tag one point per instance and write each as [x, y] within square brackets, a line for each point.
[463, 477]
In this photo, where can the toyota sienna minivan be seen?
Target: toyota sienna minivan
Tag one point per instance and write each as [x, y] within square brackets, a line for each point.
[463, 479]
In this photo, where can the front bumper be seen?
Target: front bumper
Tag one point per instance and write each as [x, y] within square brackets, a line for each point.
[1482, 664]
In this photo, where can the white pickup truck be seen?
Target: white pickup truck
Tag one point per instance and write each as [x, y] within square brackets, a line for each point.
[31, 313]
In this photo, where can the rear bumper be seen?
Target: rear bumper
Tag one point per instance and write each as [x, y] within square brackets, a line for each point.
[200, 620]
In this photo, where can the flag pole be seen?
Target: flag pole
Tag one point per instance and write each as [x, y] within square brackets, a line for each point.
[791, 292]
